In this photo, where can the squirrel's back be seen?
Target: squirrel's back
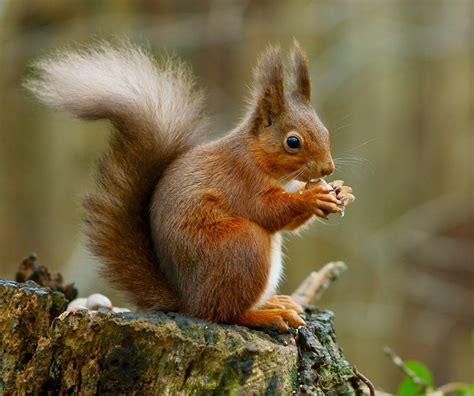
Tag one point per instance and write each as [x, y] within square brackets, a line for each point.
[157, 115]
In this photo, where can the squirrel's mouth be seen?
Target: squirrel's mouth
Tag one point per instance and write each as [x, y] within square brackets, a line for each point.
[314, 171]
[309, 176]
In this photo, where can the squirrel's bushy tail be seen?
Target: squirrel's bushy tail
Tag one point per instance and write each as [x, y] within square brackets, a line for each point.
[157, 114]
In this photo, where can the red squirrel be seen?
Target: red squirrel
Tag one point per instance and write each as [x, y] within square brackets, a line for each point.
[188, 225]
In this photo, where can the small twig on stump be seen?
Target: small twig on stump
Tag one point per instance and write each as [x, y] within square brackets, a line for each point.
[398, 361]
[365, 380]
[316, 283]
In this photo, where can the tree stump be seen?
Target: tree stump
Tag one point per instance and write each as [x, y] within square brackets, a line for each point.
[45, 350]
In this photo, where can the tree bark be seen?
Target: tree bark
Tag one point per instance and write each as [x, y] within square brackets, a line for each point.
[45, 350]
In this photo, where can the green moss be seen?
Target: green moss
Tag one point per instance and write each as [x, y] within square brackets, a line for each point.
[294, 378]
[231, 344]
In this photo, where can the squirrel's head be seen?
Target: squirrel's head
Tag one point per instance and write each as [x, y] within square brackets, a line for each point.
[287, 138]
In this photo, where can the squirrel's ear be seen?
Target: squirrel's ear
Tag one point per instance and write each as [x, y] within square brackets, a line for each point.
[269, 95]
[300, 70]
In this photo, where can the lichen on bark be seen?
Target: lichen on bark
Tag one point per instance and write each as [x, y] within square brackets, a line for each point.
[26, 313]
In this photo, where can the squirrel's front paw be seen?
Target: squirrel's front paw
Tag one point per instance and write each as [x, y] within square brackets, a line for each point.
[343, 193]
[323, 199]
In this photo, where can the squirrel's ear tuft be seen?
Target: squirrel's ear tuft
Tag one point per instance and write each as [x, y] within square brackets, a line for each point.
[269, 92]
[301, 75]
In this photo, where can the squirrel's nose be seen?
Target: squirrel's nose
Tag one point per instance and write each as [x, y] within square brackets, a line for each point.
[328, 168]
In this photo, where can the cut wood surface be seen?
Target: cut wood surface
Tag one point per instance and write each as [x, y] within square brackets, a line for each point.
[46, 350]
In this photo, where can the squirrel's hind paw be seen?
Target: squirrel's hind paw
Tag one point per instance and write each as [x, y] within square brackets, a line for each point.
[282, 302]
[271, 317]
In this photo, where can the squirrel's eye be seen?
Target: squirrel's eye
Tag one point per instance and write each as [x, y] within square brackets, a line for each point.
[293, 142]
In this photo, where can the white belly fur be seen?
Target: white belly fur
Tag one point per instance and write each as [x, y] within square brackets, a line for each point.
[276, 268]
[293, 186]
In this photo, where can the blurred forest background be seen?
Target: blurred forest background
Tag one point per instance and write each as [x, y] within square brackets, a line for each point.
[393, 82]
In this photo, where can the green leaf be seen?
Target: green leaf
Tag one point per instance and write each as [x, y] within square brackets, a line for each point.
[467, 391]
[420, 370]
[407, 387]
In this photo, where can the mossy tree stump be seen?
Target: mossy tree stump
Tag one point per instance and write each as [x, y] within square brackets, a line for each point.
[46, 350]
